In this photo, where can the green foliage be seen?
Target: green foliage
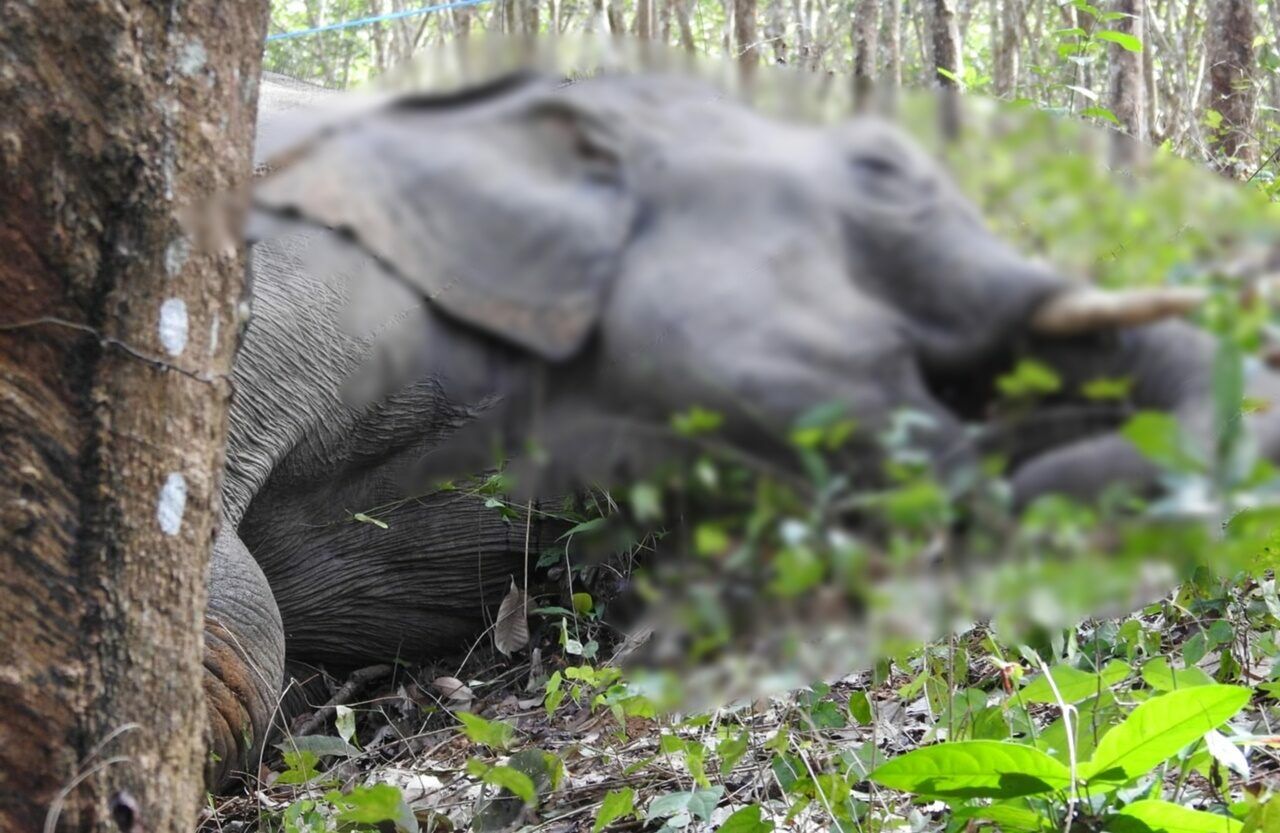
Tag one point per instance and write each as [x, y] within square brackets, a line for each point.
[618, 804]
[974, 769]
[495, 734]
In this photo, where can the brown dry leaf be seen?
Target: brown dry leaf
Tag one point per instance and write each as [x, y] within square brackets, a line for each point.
[511, 631]
[453, 689]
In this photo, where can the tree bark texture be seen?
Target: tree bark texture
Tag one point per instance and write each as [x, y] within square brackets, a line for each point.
[947, 63]
[744, 33]
[1128, 86]
[122, 285]
[866, 30]
[1231, 30]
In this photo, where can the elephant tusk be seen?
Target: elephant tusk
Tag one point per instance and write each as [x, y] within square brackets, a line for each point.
[1087, 310]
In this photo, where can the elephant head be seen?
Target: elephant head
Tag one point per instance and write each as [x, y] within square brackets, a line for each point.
[658, 246]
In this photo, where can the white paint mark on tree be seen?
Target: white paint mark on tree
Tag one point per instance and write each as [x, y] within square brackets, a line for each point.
[172, 504]
[175, 256]
[192, 57]
[173, 326]
[213, 334]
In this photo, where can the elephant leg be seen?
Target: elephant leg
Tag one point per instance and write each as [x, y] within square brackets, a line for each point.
[243, 659]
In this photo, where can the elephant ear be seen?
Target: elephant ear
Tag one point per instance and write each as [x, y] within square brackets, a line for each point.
[508, 214]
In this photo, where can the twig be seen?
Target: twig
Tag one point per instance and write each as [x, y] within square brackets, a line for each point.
[354, 683]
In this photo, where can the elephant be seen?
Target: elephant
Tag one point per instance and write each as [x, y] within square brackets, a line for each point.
[531, 259]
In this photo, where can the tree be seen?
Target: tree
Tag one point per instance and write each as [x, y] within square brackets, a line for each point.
[122, 283]
[866, 25]
[1232, 29]
[1128, 91]
[744, 32]
[947, 66]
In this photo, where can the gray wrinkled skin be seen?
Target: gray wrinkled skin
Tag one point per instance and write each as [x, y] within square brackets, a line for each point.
[559, 263]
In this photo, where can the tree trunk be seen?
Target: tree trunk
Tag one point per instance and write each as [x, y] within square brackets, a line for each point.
[1149, 73]
[947, 66]
[644, 19]
[744, 33]
[613, 10]
[1127, 98]
[122, 280]
[1006, 47]
[1231, 83]
[866, 29]
[686, 27]
[893, 28]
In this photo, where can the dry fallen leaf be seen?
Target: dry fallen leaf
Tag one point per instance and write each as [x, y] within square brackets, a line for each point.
[511, 631]
[453, 690]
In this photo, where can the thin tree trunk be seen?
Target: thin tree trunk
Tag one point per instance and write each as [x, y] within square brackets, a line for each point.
[644, 19]
[122, 279]
[1149, 73]
[1006, 48]
[947, 66]
[1232, 93]
[866, 29]
[775, 31]
[893, 57]
[686, 27]
[617, 25]
[1127, 98]
[744, 34]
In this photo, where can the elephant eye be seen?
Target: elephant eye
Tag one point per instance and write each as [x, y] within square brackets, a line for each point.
[877, 166]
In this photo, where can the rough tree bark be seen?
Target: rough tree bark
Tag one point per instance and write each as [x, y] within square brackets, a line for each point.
[1128, 86]
[644, 19]
[947, 62]
[744, 33]
[866, 29]
[122, 287]
[1231, 30]
[893, 43]
[1006, 27]
[686, 27]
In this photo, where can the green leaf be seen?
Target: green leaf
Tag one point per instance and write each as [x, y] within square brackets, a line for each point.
[300, 767]
[583, 603]
[710, 539]
[1168, 817]
[1124, 41]
[1159, 438]
[731, 750]
[372, 805]
[1010, 816]
[699, 803]
[319, 745]
[696, 421]
[1073, 684]
[860, 708]
[1029, 378]
[1162, 677]
[586, 526]
[646, 502]
[517, 782]
[617, 804]
[1159, 728]
[1101, 113]
[746, 820]
[492, 733]
[1107, 387]
[974, 769]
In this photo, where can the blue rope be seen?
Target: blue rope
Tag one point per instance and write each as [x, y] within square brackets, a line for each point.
[377, 19]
